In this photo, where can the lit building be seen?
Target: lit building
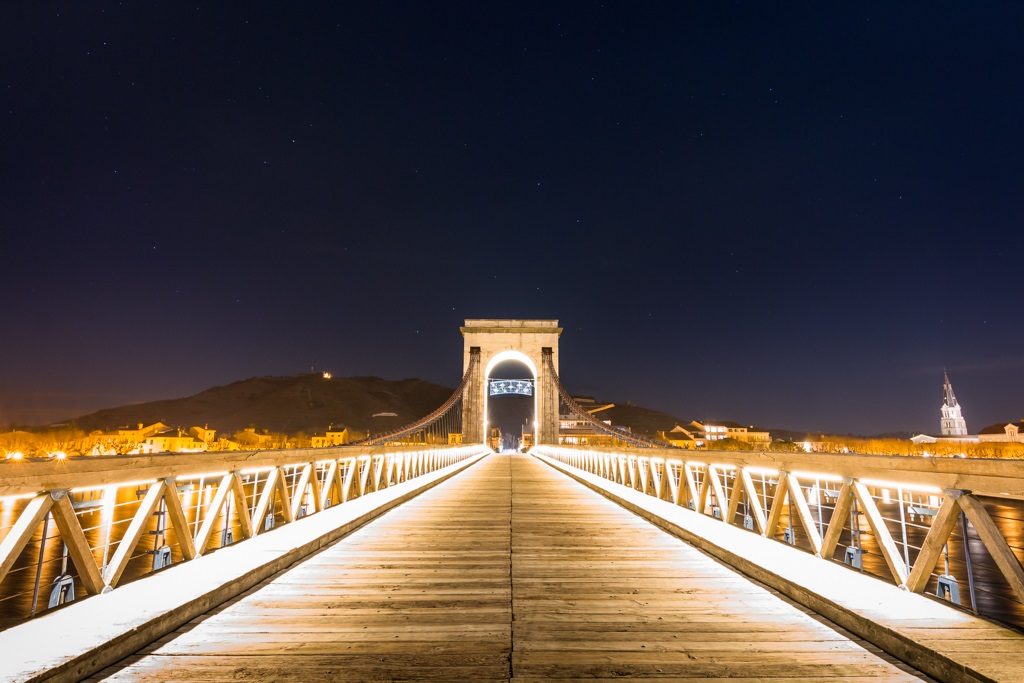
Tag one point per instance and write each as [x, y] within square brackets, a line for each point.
[681, 437]
[726, 429]
[204, 434]
[141, 431]
[172, 441]
[952, 425]
[1009, 432]
[332, 437]
[951, 422]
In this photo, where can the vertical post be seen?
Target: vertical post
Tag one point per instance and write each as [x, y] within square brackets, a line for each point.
[903, 526]
[970, 565]
[39, 563]
[548, 418]
[473, 401]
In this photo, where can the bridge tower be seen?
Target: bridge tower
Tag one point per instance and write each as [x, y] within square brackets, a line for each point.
[496, 341]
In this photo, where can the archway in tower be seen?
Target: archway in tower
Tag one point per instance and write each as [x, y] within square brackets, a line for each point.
[510, 396]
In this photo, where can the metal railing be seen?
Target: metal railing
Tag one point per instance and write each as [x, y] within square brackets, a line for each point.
[89, 524]
[946, 526]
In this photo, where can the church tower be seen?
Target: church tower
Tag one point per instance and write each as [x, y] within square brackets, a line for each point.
[952, 422]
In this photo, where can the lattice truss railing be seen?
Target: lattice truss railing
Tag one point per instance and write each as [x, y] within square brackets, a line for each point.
[442, 426]
[569, 406]
[948, 527]
[90, 524]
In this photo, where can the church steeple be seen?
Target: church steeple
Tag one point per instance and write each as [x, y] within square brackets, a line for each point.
[951, 422]
[947, 389]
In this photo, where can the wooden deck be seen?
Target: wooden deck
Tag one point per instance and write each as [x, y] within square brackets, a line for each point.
[509, 570]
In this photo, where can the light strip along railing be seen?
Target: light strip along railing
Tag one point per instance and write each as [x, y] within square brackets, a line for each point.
[577, 410]
[946, 499]
[190, 503]
[436, 427]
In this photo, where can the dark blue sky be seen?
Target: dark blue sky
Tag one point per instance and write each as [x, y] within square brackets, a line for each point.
[793, 216]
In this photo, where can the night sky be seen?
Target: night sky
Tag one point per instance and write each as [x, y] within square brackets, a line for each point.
[793, 217]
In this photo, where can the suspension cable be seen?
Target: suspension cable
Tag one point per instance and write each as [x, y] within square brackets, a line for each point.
[579, 411]
[428, 420]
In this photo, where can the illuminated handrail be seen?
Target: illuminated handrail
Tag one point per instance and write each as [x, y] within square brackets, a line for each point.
[243, 491]
[715, 483]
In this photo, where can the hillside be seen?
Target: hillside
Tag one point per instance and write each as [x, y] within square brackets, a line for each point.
[301, 403]
[309, 403]
[641, 420]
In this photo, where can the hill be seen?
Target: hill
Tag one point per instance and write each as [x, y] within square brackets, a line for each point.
[309, 403]
[641, 420]
[301, 403]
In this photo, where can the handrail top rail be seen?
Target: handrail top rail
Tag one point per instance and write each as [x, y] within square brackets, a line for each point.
[22, 477]
[985, 476]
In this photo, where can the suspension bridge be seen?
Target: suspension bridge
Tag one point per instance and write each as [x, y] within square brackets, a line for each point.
[422, 554]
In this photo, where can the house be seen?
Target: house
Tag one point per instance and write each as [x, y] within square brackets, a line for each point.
[250, 438]
[139, 434]
[172, 441]
[726, 429]
[334, 436]
[204, 434]
[681, 437]
[1009, 432]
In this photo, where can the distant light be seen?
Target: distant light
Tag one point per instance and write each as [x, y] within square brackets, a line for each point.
[327, 375]
[15, 455]
[807, 446]
[59, 455]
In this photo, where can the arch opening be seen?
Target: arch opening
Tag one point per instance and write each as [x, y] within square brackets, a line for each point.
[510, 417]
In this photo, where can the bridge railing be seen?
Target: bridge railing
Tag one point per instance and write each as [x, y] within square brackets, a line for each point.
[950, 527]
[88, 524]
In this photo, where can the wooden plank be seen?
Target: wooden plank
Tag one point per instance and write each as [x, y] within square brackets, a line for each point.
[349, 484]
[213, 512]
[131, 536]
[284, 496]
[265, 500]
[754, 504]
[797, 500]
[840, 513]
[331, 481]
[691, 486]
[702, 493]
[22, 531]
[241, 505]
[718, 490]
[931, 550]
[314, 488]
[883, 538]
[673, 473]
[177, 519]
[734, 497]
[74, 539]
[299, 493]
[778, 502]
[994, 542]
